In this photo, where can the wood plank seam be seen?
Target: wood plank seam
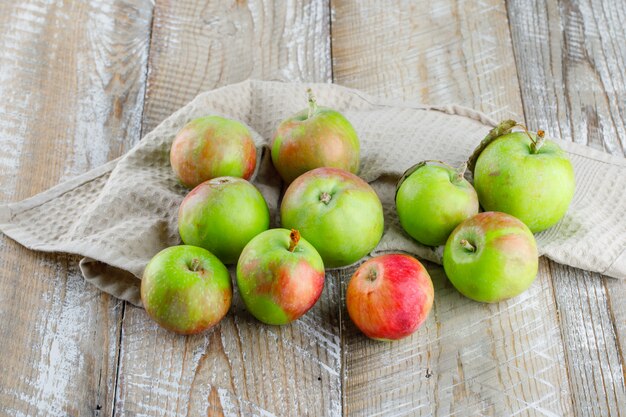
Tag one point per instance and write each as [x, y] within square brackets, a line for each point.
[141, 134]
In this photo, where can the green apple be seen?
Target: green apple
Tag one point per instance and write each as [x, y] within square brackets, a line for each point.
[337, 212]
[431, 200]
[313, 138]
[491, 257]
[186, 289]
[527, 176]
[210, 147]
[280, 276]
[222, 215]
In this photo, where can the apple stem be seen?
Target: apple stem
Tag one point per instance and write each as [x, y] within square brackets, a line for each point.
[325, 197]
[312, 103]
[460, 172]
[372, 275]
[295, 238]
[541, 137]
[467, 246]
[536, 143]
[195, 264]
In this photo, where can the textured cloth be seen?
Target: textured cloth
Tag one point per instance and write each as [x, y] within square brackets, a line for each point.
[119, 215]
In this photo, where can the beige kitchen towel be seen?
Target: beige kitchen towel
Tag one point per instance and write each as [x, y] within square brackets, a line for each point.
[119, 215]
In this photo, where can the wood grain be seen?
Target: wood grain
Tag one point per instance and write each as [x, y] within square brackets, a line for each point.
[571, 58]
[72, 89]
[241, 367]
[468, 358]
[433, 52]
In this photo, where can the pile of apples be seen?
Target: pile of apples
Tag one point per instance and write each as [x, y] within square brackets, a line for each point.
[332, 218]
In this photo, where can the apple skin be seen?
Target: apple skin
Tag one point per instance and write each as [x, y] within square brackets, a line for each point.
[186, 289]
[337, 212]
[211, 147]
[504, 263]
[314, 138]
[389, 296]
[276, 284]
[537, 188]
[432, 201]
[222, 215]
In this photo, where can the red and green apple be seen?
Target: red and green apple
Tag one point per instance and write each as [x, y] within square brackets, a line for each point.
[337, 212]
[315, 137]
[491, 257]
[186, 289]
[222, 215]
[280, 276]
[210, 147]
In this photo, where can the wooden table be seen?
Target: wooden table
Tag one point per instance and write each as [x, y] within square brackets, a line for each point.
[81, 81]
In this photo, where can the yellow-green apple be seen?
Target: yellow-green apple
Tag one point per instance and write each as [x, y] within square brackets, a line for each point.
[222, 215]
[527, 176]
[280, 276]
[313, 138]
[491, 257]
[337, 212]
[186, 289]
[389, 296]
[431, 200]
[210, 147]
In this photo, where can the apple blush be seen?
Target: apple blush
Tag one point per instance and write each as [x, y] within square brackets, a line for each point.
[389, 296]
[222, 215]
[186, 289]
[337, 212]
[280, 276]
[491, 257]
[210, 147]
[315, 137]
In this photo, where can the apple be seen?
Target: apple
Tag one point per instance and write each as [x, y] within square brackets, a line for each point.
[491, 257]
[186, 289]
[210, 147]
[389, 296]
[222, 215]
[527, 176]
[280, 276]
[337, 212]
[431, 200]
[313, 138]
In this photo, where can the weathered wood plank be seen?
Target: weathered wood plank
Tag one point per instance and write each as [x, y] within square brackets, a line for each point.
[72, 86]
[241, 367]
[469, 358]
[570, 56]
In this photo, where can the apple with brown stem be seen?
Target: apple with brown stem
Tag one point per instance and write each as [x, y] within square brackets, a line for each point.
[313, 138]
[280, 276]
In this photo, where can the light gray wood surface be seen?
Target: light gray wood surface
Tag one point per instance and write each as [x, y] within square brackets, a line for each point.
[72, 80]
[573, 85]
[80, 83]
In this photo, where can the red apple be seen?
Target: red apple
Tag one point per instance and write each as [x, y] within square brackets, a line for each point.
[338, 212]
[313, 138]
[280, 276]
[389, 296]
[186, 289]
[210, 147]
